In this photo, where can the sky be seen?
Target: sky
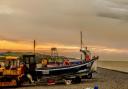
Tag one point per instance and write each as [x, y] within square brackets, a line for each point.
[57, 23]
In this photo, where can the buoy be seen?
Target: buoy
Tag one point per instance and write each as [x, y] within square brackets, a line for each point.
[51, 82]
[96, 87]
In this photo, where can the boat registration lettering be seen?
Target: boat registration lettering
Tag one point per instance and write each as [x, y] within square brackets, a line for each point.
[45, 72]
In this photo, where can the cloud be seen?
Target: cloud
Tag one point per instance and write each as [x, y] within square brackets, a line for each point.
[6, 10]
[112, 9]
[60, 21]
[9, 10]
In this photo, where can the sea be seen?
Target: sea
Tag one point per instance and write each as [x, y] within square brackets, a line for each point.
[114, 65]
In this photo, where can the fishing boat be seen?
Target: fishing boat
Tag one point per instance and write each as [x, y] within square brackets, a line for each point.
[71, 73]
[70, 69]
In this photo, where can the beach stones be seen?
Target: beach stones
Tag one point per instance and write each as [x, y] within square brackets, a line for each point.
[89, 88]
[96, 87]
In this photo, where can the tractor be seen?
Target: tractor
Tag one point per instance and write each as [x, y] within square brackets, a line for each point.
[11, 72]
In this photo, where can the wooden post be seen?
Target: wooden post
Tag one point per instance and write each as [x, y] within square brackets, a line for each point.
[34, 47]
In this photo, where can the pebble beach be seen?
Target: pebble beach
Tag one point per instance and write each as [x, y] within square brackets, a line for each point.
[104, 79]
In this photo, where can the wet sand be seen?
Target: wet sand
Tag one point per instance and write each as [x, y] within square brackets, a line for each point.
[105, 79]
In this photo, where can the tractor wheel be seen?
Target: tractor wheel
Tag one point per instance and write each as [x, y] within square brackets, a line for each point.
[17, 83]
[68, 82]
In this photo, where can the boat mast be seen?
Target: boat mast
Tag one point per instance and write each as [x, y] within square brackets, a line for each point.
[81, 41]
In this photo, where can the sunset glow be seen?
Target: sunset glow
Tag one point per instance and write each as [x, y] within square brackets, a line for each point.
[19, 46]
[27, 46]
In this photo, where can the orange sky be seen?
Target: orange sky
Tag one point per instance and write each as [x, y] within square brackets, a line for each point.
[11, 45]
[6, 45]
